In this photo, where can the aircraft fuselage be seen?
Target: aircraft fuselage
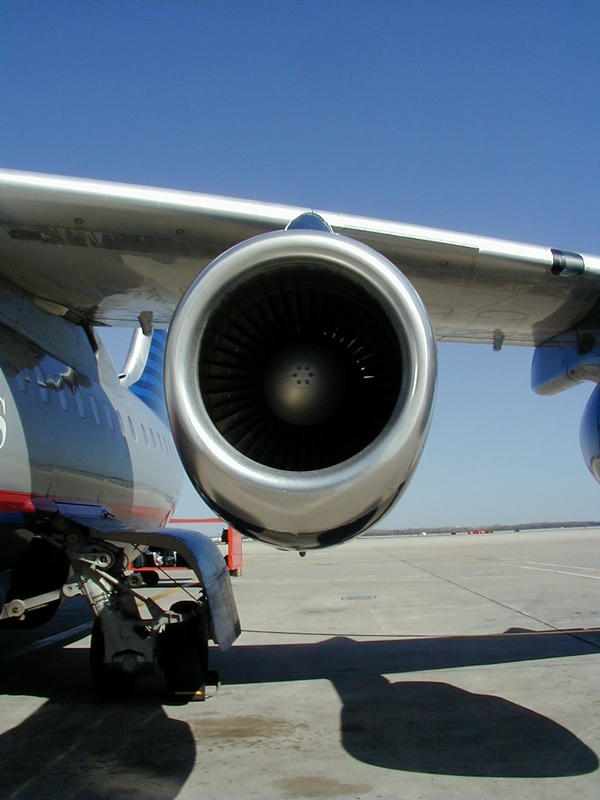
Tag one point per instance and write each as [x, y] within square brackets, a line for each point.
[71, 436]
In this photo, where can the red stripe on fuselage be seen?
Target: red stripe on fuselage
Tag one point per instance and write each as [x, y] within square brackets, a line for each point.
[14, 502]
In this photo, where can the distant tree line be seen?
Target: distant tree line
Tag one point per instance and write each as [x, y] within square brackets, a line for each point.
[520, 526]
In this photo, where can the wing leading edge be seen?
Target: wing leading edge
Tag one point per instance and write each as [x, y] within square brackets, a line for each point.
[109, 252]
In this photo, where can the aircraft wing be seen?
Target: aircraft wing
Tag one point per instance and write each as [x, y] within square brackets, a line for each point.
[110, 252]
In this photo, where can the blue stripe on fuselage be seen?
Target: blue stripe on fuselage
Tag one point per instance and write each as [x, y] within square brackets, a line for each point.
[149, 388]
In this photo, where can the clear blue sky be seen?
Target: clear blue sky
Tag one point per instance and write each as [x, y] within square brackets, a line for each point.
[478, 117]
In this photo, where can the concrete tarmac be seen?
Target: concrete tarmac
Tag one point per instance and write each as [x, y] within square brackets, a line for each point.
[428, 667]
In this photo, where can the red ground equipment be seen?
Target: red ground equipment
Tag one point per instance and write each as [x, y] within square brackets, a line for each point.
[233, 539]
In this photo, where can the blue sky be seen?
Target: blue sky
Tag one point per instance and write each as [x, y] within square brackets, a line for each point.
[478, 117]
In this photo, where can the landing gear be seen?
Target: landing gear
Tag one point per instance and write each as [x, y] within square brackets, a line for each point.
[131, 631]
[183, 651]
[132, 634]
[109, 680]
[20, 614]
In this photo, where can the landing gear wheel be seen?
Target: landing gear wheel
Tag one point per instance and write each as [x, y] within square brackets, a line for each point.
[109, 681]
[184, 652]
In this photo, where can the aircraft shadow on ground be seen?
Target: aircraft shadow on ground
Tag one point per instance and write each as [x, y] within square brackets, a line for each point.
[428, 726]
[76, 745]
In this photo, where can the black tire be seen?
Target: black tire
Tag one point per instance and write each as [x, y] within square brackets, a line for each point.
[150, 578]
[108, 681]
[135, 580]
[184, 652]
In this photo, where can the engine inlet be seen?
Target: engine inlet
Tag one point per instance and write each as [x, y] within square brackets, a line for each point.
[299, 368]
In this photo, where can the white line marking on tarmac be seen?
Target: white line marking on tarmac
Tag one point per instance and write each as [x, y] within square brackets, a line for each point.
[564, 566]
[560, 572]
[57, 637]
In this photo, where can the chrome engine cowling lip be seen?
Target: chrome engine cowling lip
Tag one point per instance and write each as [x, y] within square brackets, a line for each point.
[284, 507]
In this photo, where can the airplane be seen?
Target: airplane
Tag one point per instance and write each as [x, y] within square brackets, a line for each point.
[296, 386]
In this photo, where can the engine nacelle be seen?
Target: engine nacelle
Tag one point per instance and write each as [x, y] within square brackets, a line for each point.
[300, 375]
[589, 434]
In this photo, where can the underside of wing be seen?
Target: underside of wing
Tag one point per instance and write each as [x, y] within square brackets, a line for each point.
[109, 253]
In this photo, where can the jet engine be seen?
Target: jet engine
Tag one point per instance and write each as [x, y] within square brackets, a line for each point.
[300, 375]
[589, 434]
